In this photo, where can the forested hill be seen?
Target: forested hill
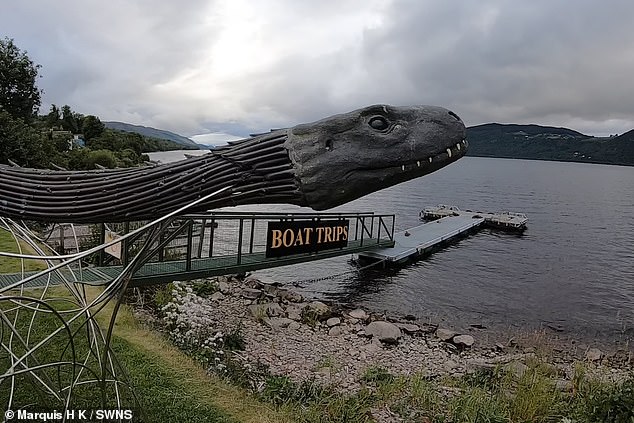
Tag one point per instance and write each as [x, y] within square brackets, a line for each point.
[548, 143]
[146, 131]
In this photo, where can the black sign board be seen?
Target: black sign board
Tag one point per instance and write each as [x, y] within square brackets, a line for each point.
[305, 236]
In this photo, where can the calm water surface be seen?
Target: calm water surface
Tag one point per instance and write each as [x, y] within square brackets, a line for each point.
[573, 269]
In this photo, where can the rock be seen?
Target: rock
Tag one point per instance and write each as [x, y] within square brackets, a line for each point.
[428, 328]
[409, 328]
[217, 296]
[290, 296]
[359, 314]
[517, 368]
[333, 321]
[563, 385]
[318, 309]
[383, 331]
[594, 354]
[278, 322]
[224, 287]
[294, 312]
[274, 309]
[271, 290]
[335, 331]
[463, 340]
[252, 283]
[479, 365]
[250, 293]
[294, 326]
[445, 335]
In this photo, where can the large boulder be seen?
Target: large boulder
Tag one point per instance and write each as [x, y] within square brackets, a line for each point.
[445, 335]
[463, 341]
[409, 328]
[316, 311]
[333, 321]
[383, 331]
[251, 293]
[359, 314]
[594, 354]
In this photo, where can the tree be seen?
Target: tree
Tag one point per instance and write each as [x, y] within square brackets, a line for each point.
[92, 127]
[19, 94]
[69, 120]
[20, 142]
[53, 118]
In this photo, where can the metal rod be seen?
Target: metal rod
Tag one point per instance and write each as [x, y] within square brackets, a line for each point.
[240, 241]
[190, 234]
[201, 238]
[211, 237]
[251, 236]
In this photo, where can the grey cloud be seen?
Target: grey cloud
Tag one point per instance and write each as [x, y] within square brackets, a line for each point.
[551, 62]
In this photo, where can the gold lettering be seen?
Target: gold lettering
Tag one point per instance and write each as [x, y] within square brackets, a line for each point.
[345, 233]
[307, 232]
[288, 240]
[299, 240]
[339, 232]
[320, 231]
[277, 239]
[328, 234]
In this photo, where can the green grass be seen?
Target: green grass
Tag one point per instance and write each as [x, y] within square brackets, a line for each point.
[499, 397]
[164, 384]
[13, 265]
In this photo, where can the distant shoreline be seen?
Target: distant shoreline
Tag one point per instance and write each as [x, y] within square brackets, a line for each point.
[552, 160]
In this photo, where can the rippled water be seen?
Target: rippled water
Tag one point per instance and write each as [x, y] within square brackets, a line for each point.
[573, 268]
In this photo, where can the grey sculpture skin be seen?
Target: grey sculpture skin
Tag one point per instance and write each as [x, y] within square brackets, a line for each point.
[347, 156]
[320, 165]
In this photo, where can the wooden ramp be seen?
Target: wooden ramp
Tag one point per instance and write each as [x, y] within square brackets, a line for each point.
[420, 239]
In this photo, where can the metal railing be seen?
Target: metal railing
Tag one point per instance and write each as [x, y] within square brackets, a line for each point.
[237, 235]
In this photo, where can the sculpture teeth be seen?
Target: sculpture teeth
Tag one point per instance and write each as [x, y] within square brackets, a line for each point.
[430, 160]
[449, 152]
[403, 167]
[418, 163]
[458, 146]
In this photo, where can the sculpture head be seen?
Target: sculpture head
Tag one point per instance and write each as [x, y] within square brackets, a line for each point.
[347, 156]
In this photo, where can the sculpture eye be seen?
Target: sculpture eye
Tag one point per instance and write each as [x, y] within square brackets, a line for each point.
[379, 123]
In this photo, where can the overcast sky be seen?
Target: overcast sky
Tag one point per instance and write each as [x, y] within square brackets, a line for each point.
[237, 66]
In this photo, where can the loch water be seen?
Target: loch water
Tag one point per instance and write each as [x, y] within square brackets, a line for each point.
[571, 271]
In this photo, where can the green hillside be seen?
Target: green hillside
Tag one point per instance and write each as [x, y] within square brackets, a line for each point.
[147, 131]
[548, 143]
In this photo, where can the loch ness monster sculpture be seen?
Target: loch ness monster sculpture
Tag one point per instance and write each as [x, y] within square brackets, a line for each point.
[320, 165]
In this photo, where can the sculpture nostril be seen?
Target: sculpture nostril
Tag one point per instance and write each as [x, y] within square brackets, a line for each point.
[455, 115]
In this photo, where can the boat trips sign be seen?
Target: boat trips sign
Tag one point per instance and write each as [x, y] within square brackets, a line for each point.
[305, 236]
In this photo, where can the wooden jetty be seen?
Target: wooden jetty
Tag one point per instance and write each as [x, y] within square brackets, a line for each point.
[502, 220]
[422, 238]
[444, 223]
